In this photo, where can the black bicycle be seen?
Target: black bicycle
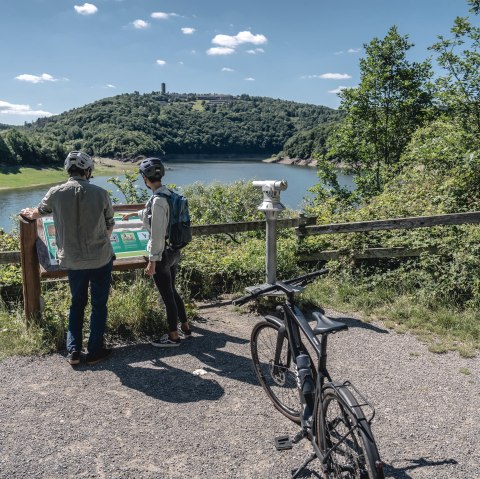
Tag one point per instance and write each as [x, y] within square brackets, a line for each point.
[331, 414]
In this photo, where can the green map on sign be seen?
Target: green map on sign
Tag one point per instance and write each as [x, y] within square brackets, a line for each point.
[129, 238]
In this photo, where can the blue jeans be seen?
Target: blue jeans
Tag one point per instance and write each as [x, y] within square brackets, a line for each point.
[99, 280]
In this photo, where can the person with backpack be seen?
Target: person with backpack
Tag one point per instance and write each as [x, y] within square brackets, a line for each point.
[161, 217]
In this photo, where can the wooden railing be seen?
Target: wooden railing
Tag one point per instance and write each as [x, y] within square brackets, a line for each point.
[394, 224]
[305, 226]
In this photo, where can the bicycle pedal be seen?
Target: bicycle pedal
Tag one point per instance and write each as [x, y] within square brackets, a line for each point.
[283, 443]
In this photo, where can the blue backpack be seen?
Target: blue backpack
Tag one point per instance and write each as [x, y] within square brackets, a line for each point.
[179, 232]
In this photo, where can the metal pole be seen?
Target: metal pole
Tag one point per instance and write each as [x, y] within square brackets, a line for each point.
[271, 257]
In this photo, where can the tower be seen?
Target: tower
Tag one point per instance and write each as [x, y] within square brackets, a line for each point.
[163, 89]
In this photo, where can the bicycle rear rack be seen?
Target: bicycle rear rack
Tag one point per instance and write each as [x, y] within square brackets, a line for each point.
[362, 400]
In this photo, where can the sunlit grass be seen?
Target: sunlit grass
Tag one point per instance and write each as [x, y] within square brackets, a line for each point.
[442, 328]
[23, 177]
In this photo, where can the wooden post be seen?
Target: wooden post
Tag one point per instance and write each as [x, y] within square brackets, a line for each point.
[30, 269]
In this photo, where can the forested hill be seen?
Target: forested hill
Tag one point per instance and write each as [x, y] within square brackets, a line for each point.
[151, 124]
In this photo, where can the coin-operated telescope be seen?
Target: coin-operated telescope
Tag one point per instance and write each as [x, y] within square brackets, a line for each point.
[271, 206]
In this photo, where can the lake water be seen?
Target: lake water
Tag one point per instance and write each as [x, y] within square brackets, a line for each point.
[181, 173]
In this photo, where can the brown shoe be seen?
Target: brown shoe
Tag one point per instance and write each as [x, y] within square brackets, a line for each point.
[73, 358]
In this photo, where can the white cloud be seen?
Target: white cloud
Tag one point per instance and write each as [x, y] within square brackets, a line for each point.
[109, 85]
[188, 30]
[140, 24]
[334, 76]
[232, 41]
[36, 79]
[226, 69]
[220, 51]
[257, 50]
[250, 79]
[7, 108]
[350, 50]
[329, 76]
[161, 62]
[86, 9]
[163, 15]
[338, 89]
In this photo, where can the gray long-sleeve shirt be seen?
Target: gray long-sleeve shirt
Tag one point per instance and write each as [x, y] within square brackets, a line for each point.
[157, 224]
[82, 214]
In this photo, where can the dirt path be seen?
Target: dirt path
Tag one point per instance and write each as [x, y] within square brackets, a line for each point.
[145, 413]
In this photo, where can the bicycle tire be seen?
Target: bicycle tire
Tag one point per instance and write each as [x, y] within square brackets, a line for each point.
[356, 457]
[280, 387]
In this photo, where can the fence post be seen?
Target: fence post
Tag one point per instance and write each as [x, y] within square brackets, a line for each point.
[30, 268]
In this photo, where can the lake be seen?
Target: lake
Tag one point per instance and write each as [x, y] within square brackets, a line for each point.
[182, 173]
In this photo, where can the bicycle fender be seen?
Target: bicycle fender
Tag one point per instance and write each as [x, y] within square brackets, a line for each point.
[275, 321]
[349, 399]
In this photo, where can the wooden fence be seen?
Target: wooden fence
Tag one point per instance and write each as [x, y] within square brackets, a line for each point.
[305, 226]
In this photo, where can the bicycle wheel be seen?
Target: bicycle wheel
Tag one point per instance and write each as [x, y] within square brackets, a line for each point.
[354, 453]
[280, 382]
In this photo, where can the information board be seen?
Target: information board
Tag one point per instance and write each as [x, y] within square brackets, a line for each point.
[129, 238]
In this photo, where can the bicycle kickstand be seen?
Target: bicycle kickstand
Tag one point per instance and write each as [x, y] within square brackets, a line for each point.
[304, 465]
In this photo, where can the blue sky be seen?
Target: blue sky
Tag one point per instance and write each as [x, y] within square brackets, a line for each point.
[61, 54]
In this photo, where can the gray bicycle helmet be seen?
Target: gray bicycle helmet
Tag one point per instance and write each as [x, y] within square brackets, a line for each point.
[152, 168]
[80, 160]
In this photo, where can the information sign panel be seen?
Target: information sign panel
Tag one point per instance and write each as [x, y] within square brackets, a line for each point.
[129, 239]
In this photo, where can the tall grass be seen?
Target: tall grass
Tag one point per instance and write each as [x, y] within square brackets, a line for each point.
[442, 327]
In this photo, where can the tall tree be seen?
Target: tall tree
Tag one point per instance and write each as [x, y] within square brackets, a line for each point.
[459, 55]
[391, 101]
[6, 156]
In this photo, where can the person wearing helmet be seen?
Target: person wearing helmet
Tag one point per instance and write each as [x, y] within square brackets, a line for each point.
[83, 217]
[162, 260]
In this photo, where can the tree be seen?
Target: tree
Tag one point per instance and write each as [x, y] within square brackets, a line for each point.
[391, 101]
[474, 6]
[6, 156]
[459, 90]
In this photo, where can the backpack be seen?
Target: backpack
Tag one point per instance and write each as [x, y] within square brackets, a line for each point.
[179, 233]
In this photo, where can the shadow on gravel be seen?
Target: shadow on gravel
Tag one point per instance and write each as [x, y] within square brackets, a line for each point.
[153, 371]
[142, 367]
[402, 472]
[356, 323]
[208, 347]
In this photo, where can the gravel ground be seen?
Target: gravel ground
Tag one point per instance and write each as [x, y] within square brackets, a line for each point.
[145, 414]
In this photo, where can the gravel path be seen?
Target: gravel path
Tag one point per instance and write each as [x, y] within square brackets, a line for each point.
[145, 414]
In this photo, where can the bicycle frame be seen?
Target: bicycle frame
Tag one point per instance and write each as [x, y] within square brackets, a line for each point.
[295, 323]
[314, 386]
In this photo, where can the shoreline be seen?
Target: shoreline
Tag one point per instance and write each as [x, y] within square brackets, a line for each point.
[108, 166]
[293, 161]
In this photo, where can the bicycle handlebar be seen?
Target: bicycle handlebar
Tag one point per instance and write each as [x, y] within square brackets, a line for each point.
[280, 286]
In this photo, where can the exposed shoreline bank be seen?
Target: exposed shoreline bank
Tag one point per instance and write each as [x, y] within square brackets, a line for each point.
[293, 161]
[25, 176]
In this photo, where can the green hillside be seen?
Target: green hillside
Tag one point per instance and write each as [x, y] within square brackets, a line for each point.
[128, 125]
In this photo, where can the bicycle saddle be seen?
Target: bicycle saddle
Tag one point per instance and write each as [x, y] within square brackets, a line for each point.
[326, 325]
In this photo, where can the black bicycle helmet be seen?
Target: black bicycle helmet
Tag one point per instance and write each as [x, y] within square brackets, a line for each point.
[152, 168]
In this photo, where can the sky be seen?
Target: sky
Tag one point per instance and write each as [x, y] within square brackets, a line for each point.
[56, 55]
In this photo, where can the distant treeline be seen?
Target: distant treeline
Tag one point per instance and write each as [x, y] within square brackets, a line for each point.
[128, 125]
